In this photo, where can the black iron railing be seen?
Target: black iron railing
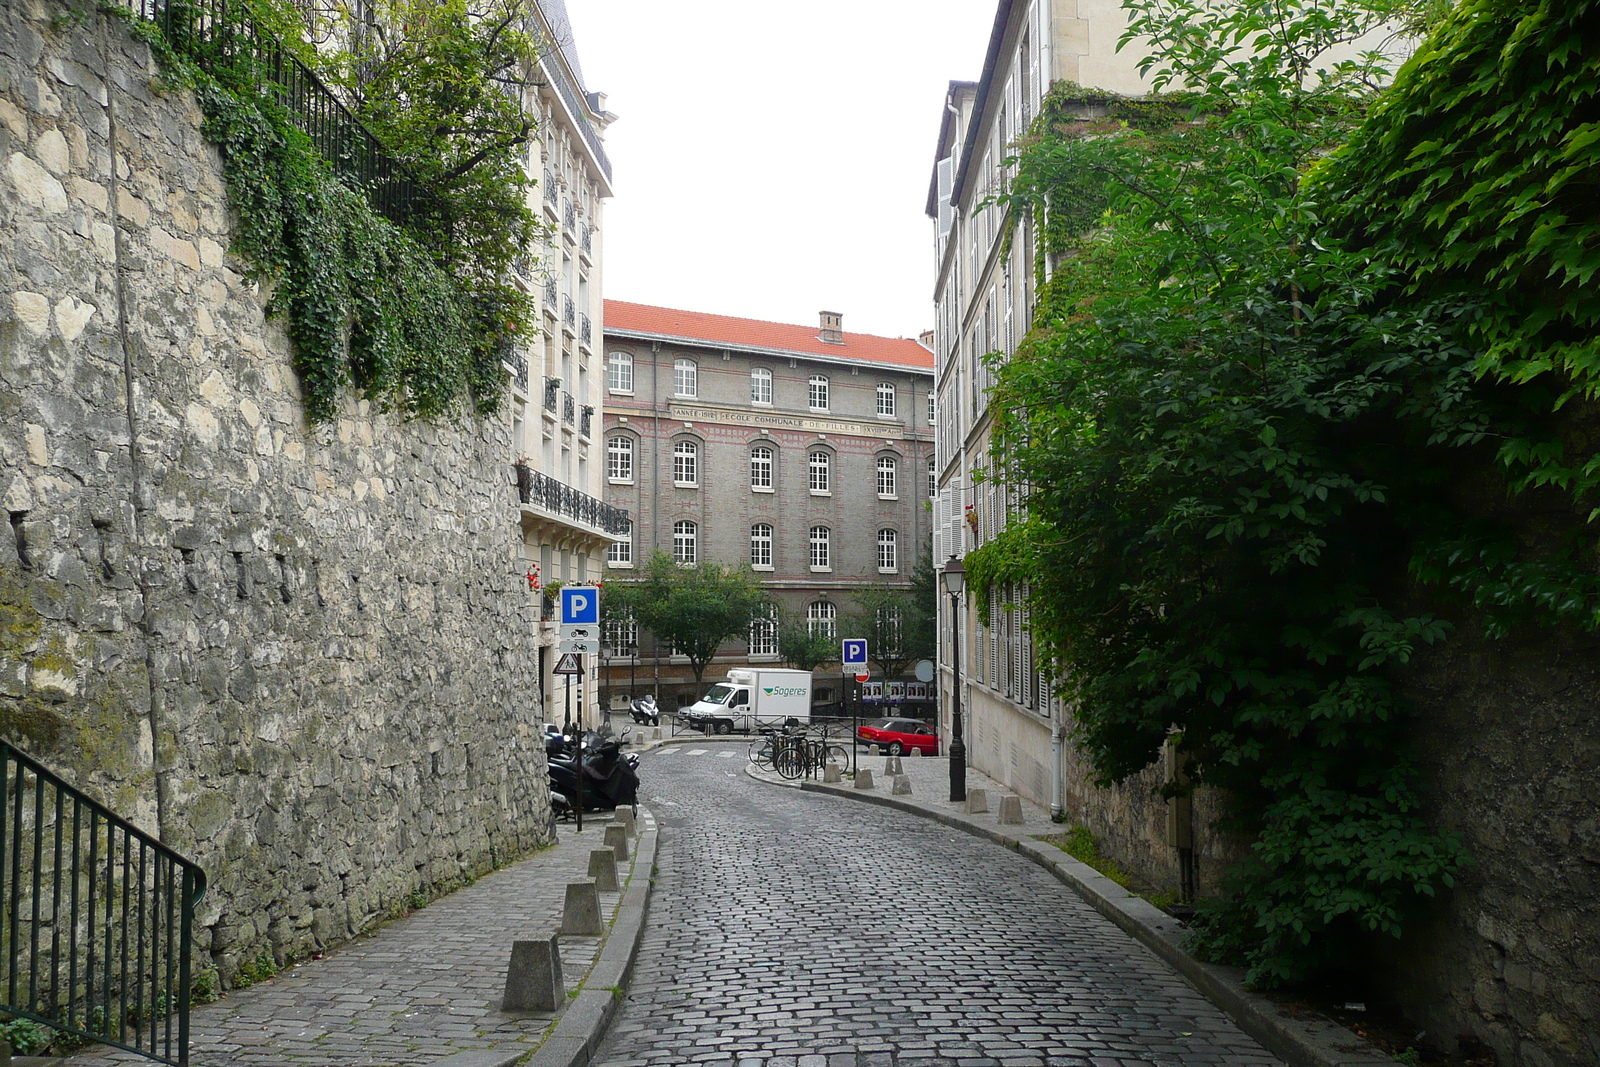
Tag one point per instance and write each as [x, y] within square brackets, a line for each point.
[584, 329]
[569, 219]
[587, 244]
[569, 312]
[218, 35]
[550, 193]
[550, 294]
[96, 917]
[569, 408]
[586, 420]
[540, 490]
[575, 106]
[552, 390]
[514, 358]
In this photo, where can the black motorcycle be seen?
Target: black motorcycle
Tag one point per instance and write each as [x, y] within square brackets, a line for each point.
[610, 776]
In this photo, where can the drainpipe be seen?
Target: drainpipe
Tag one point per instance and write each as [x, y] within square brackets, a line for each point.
[655, 497]
[1056, 809]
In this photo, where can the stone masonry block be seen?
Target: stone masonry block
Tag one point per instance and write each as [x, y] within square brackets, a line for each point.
[580, 917]
[617, 838]
[603, 869]
[863, 778]
[977, 801]
[902, 786]
[831, 774]
[1010, 810]
[891, 765]
[533, 980]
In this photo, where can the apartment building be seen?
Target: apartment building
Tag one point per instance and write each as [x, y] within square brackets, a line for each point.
[556, 377]
[805, 452]
[984, 298]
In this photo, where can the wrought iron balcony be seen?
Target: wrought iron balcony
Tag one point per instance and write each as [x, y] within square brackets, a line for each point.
[584, 329]
[586, 421]
[539, 490]
[569, 218]
[513, 357]
[550, 194]
[569, 408]
[550, 293]
[569, 311]
[552, 389]
[587, 244]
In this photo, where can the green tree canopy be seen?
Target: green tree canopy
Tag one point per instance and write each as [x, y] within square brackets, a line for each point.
[896, 622]
[803, 646]
[693, 609]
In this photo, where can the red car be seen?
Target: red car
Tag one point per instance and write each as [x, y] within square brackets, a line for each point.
[900, 735]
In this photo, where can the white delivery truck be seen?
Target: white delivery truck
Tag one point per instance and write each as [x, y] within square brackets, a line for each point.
[750, 699]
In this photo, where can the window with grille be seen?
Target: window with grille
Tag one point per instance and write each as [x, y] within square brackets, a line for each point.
[820, 556]
[761, 545]
[619, 372]
[821, 465]
[764, 633]
[685, 542]
[760, 386]
[620, 552]
[685, 377]
[761, 467]
[619, 459]
[888, 550]
[888, 476]
[885, 398]
[619, 637]
[820, 618]
[686, 463]
[817, 392]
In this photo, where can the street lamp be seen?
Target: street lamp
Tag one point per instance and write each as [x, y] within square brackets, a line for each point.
[955, 578]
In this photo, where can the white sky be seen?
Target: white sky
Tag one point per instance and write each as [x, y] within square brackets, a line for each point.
[772, 159]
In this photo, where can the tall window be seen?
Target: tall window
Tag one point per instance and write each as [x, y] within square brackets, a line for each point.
[933, 479]
[620, 553]
[685, 542]
[619, 637]
[619, 372]
[820, 556]
[820, 616]
[761, 386]
[685, 377]
[821, 466]
[889, 629]
[764, 633]
[933, 403]
[761, 545]
[686, 463]
[619, 459]
[888, 551]
[818, 392]
[885, 398]
[761, 467]
[888, 476]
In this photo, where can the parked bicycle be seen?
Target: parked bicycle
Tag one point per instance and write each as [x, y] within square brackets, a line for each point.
[793, 752]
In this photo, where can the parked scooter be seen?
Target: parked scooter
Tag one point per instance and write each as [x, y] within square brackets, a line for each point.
[610, 776]
[644, 710]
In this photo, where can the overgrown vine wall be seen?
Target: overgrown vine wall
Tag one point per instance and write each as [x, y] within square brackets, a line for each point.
[302, 654]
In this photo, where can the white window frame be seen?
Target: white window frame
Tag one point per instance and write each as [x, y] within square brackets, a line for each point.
[817, 390]
[761, 383]
[819, 471]
[761, 546]
[822, 615]
[933, 478]
[763, 639]
[685, 542]
[620, 553]
[888, 478]
[619, 372]
[886, 400]
[619, 459]
[762, 465]
[933, 407]
[685, 378]
[819, 542]
[888, 551]
[686, 464]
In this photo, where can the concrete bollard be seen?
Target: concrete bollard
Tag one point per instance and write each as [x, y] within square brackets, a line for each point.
[902, 786]
[1010, 810]
[831, 774]
[603, 869]
[863, 778]
[891, 765]
[580, 917]
[533, 981]
[916, 752]
[872, 750]
[977, 800]
[617, 838]
[655, 734]
[625, 815]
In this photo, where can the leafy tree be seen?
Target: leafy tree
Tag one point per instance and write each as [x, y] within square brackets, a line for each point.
[693, 609]
[803, 646]
[894, 620]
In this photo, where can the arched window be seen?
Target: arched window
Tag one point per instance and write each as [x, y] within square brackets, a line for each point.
[686, 463]
[685, 542]
[820, 616]
[888, 477]
[885, 398]
[761, 545]
[619, 459]
[821, 557]
[888, 551]
[685, 377]
[933, 479]
[821, 466]
[818, 392]
[620, 553]
[764, 632]
[761, 467]
[619, 372]
[760, 386]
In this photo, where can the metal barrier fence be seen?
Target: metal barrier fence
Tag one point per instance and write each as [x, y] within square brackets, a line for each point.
[219, 35]
[96, 917]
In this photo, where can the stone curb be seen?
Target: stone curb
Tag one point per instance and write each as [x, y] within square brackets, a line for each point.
[581, 1026]
[1298, 1042]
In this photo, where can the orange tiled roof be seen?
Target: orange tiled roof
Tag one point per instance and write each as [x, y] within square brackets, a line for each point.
[753, 333]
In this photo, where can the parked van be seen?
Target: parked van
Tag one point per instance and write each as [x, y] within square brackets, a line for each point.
[750, 699]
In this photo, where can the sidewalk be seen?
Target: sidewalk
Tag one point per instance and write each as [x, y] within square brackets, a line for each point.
[1299, 1041]
[427, 988]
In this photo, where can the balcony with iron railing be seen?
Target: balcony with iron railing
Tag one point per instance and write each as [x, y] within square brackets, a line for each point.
[550, 294]
[569, 408]
[585, 331]
[586, 245]
[547, 495]
[569, 313]
[552, 391]
[586, 421]
[514, 358]
[569, 219]
[551, 195]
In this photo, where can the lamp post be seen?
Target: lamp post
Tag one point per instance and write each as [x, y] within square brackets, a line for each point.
[955, 578]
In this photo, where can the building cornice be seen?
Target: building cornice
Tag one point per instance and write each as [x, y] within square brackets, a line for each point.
[765, 352]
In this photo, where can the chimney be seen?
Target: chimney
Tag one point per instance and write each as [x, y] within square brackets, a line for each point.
[832, 328]
[925, 339]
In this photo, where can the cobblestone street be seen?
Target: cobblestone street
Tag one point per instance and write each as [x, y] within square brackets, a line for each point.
[791, 929]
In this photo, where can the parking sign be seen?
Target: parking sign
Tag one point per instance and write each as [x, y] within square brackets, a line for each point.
[580, 605]
[855, 652]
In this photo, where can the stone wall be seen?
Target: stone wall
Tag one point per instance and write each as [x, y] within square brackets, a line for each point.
[302, 655]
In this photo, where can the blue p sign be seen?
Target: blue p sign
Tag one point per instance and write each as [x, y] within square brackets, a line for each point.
[580, 605]
[855, 653]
